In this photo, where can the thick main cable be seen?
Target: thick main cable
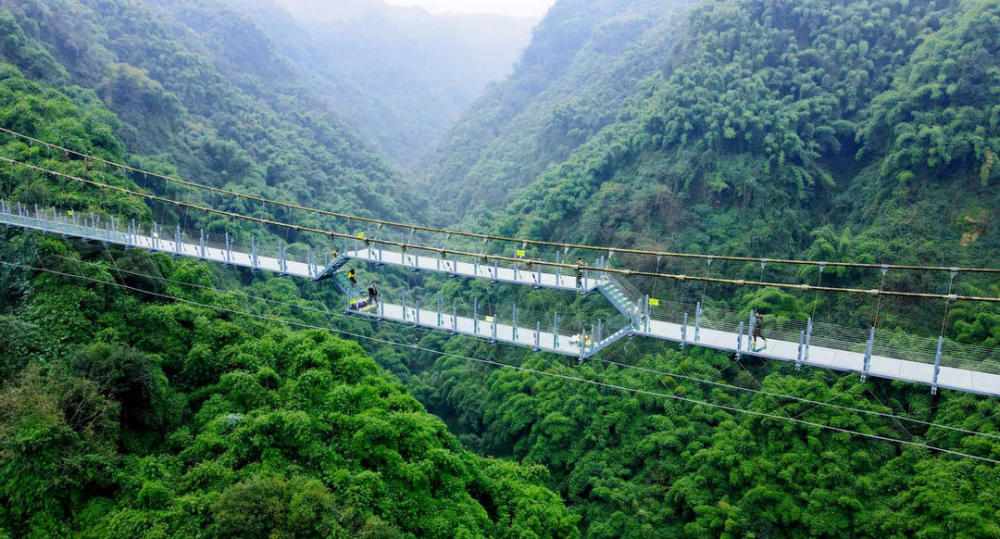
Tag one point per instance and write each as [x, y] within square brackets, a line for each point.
[493, 237]
[487, 257]
[609, 362]
[624, 389]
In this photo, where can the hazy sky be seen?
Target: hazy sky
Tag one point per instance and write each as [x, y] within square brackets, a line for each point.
[521, 8]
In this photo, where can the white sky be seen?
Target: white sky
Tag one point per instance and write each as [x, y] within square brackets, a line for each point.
[520, 8]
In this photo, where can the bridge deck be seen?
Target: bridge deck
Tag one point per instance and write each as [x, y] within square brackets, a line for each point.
[544, 341]
[880, 366]
[831, 358]
[538, 278]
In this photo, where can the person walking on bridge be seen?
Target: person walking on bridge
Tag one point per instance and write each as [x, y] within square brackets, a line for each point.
[758, 328]
[372, 294]
[351, 277]
[579, 272]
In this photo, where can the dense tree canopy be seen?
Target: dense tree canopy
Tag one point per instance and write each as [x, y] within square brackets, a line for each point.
[860, 130]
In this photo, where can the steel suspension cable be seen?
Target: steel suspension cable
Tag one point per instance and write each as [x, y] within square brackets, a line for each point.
[597, 383]
[493, 237]
[327, 312]
[501, 258]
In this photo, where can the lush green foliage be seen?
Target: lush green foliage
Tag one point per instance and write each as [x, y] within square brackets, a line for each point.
[649, 466]
[400, 76]
[765, 127]
[126, 415]
[587, 58]
[862, 130]
[202, 88]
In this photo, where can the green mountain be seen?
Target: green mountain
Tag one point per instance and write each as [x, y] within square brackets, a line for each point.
[142, 396]
[201, 86]
[163, 397]
[400, 76]
[863, 130]
[585, 61]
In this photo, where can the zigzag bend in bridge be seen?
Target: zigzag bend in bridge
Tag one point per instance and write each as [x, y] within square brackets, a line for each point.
[618, 292]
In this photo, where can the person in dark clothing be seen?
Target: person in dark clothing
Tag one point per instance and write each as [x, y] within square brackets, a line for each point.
[758, 328]
[579, 273]
[372, 294]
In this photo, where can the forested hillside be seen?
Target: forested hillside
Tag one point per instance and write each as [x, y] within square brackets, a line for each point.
[787, 116]
[401, 76]
[142, 396]
[585, 59]
[863, 130]
[197, 85]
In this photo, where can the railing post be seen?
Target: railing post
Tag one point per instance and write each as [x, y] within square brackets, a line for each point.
[496, 271]
[798, 358]
[494, 341]
[538, 335]
[555, 331]
[177, 240]
[809, 330]
[586, 277]
[154, 242]
[539, 283]
[281, 256]
[684, 332]
[403, 305]
[739, 341]
[868, 354]
[475, 317]
[454, 319]
[380, 307]
[513, 324]
[697, 322]
[253, 252]
[937, 366]
[309, 264]
[454, 265]
[416, 312]
[600, 331]
[440, 305]
[229, 249]
[558, 268]
[750, 343]
[475, 267]
[583, 346]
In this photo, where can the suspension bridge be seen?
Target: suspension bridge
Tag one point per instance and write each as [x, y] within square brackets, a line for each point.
[946, 365]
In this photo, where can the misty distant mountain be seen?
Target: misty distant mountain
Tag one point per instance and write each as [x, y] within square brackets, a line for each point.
[401, 76]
